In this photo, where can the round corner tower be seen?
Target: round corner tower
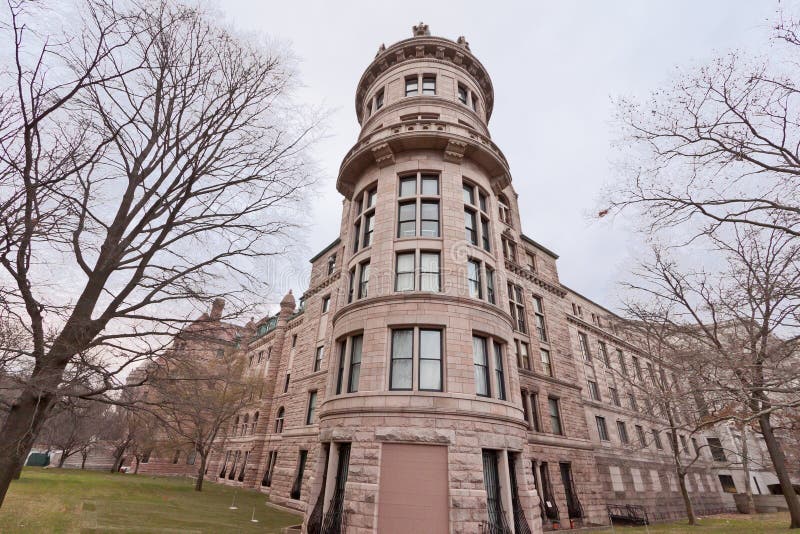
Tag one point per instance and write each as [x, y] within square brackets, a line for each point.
[422, 422]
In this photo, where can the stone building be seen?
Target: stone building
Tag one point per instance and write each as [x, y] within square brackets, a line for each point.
[437, 375]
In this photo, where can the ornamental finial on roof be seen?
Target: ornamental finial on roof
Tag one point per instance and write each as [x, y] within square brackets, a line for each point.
[381, 49]
[463, 41]
[421, 30]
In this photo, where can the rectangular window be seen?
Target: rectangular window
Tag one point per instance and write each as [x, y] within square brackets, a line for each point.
[355, 363]
[594, 392]
[412, 86]
[363, 281]
[408, 186]
[728, 486]
[407, 220]
[430, 360]
[583, 342]
[490, 285]
[298, 480]
[271, 461]
[462, 94]
[516, 307]
[632, 401]
[356, 235]
[428, 85]
[379, 100]
[429, 277]
[509, 249]
[604, 353]
[657, 439]
[340, 373]
[717, 451]
[499, 371]
[318, 358]
[537, 425]
[402, 367]
[538, 309]
[474, 279]
[637, 367]
[684, 445]
[471, 233]
[404, 277]
[485, 237]
[430, 184]
[622, 430]
[622, 366]
[547, 367]
[369, 228]
[555, 416]
[468, 194]
[602, 429]
[531, 262]
[524, 396]
[312, 406]
[614, 396]
[523, 355]
[326, 304]
[429, 218]
[481, 364]
[642, 438]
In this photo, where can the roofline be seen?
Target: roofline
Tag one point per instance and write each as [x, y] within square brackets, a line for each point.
[539, 246]
[593, 302]
[326, 249]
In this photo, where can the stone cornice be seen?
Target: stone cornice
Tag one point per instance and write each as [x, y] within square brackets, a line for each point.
[532, 374]
[419, 295]
[526, 273]
[554, 440]
[322, 285]
[456, 141]
[427, 48]
[382, 411]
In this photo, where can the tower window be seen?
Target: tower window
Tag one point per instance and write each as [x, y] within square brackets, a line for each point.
[404, 277]
[379, 100]
[516, 307]
[418, 214]
[462, 94]
[474, 279]
[355, 363]
[547, 366]
[429, 85]
[412, 86]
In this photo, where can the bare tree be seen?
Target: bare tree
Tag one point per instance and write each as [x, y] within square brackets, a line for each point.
[196, 396]
[741, 324]
[721, 145]
[675, 407]
[73, 427]
[148, 159]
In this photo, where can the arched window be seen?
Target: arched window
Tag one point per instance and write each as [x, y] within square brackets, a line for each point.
[255, 422]
[505, 210]
[279, 421]
[244, 424]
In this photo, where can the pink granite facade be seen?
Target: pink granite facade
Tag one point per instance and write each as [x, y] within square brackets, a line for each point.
[434, 322]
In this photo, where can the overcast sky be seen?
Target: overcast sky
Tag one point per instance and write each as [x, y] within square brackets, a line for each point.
[556, 66]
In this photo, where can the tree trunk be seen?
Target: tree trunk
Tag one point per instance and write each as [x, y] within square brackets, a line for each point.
[136, 470]
[748, 488]
[117, 463]
[83, 460]
[198, 486]
[22, 426]
[779, 464]
[63, 459]
[687, 502]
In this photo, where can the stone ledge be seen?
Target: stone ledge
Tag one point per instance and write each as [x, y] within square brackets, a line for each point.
[410, 435]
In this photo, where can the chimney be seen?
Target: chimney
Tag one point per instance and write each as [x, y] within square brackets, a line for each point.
[216, 309]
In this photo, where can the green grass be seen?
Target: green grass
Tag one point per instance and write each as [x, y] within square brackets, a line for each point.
[718, 524]
[68, 500]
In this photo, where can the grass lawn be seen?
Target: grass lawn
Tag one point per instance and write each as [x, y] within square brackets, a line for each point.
[718, 524]
[69, 500]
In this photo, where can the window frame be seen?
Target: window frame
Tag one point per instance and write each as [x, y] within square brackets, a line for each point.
[311, 407]
[602, 428]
